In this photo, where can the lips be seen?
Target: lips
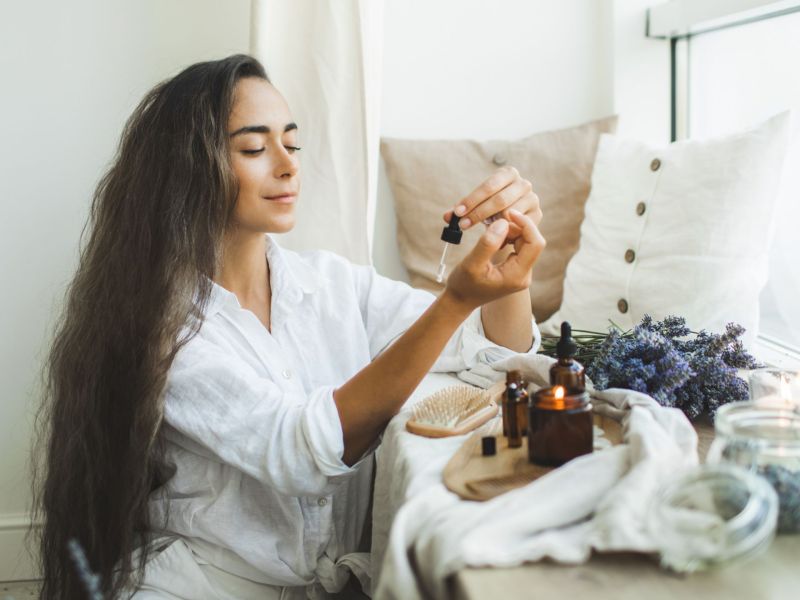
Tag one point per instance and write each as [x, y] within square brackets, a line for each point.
[288, 197]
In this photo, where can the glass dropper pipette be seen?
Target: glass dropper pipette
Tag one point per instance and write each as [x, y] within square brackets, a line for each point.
[450, 235]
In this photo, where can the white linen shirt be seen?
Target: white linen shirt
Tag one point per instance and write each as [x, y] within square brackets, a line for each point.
[250, 424]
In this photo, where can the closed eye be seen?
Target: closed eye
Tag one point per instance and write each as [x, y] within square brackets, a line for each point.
[290, 149]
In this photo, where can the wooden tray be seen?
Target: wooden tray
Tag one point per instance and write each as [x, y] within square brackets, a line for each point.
[476, 477]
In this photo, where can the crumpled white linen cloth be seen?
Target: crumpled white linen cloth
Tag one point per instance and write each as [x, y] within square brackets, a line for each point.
[599, 501]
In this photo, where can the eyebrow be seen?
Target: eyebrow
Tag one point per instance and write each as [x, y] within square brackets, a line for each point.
[260, 129]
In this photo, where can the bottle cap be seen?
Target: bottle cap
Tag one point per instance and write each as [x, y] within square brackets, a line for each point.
[512, 391]
[514, 376]
[489, 445]
[566, 346]
[452, 233]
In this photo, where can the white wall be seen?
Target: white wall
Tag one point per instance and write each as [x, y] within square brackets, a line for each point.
[510, 68]
[493, 70]
[487, 70]
[71, 74]
[640, 74]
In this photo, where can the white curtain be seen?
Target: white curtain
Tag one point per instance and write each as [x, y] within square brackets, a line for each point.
[324, 56]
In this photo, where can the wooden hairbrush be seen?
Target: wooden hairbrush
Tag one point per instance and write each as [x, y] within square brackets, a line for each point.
[454, 410]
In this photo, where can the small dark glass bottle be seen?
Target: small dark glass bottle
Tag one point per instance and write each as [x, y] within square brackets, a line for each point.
[560, 426]
[567, 372]
[515, 377]
[514, 403]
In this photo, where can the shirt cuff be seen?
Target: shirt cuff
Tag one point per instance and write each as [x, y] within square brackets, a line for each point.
[478, 348]
[322, 429]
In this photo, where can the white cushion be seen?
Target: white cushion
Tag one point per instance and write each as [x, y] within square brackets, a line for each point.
[700, 246]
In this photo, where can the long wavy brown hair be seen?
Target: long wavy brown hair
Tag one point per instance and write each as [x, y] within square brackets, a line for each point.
[149, 250]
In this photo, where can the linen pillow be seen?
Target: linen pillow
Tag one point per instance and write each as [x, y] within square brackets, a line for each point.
[429, 176]
[679, 230]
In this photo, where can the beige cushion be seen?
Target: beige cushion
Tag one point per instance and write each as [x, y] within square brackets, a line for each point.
[429, 176]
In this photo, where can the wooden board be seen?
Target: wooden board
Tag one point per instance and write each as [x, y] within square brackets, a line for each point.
[476, 477]
[627, 576]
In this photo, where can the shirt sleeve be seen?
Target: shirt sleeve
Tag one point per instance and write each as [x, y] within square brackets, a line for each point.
[292, 442]
[390, 307]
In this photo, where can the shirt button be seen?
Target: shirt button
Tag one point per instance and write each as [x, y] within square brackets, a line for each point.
[322, 501]
[499, 159]
[287, 374]
[630, 256]
[655, 164]
[622, 305]
[640, 208]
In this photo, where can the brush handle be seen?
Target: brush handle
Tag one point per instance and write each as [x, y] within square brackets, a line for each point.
[475, 420]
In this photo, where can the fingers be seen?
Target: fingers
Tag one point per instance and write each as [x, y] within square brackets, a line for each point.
[530, 244]
[536, 214]
[493, 184]
[492, 199]
[490, 242]
[508, 196]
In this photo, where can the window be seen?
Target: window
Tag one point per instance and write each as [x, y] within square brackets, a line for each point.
[731, 73]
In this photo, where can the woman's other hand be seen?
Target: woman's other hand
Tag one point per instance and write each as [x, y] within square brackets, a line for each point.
[476, 280]
[504, 190]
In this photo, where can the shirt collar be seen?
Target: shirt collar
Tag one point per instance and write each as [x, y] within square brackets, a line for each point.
[290, 276]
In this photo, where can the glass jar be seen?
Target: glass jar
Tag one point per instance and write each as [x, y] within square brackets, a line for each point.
[713, 515]
[764, 438]
[559, 426]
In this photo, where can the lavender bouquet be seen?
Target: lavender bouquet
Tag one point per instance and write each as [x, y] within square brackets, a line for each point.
[693, 371]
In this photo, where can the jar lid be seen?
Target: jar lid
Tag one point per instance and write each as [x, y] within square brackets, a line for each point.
[711, 515]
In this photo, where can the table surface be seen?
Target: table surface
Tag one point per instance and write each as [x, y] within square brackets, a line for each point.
[774, 575]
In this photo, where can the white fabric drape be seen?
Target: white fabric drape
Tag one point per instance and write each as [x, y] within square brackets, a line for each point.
[324, 56]
[600, 501]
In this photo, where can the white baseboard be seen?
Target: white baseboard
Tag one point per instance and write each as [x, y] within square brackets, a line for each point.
[16, 563]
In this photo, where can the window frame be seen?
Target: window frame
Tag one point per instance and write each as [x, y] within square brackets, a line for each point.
[678, 21]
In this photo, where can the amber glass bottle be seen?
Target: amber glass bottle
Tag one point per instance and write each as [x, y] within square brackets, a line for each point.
[560, 425]
[567, 372]
[515, 377]
[514, 426]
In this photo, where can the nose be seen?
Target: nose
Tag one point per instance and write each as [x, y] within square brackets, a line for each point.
[286, 165]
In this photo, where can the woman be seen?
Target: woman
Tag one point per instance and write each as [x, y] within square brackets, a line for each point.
[212, 399]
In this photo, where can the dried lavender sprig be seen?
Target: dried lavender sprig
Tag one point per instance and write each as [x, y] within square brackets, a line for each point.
[693, 370]
[90, 580]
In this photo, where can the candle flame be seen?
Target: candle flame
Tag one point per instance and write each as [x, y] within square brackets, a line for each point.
[559, 392]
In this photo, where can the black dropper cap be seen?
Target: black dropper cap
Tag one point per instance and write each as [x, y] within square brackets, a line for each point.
[566, 346]
[452, 233]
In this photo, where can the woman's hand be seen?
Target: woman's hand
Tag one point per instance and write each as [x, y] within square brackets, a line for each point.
[493, 198]
[476, 280]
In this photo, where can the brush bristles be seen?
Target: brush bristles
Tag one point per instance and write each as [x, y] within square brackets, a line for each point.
[448, 407]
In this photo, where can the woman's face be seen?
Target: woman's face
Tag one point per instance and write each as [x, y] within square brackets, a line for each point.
[262, 147]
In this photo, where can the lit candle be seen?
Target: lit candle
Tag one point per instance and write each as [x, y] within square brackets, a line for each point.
[559, 425]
